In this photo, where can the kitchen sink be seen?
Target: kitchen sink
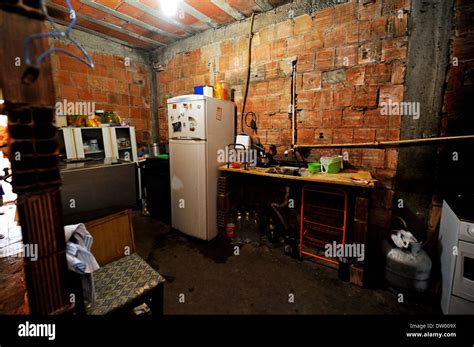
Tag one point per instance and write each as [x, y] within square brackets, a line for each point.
[284, 170]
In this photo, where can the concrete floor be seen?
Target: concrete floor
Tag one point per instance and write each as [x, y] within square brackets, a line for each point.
[258, 281]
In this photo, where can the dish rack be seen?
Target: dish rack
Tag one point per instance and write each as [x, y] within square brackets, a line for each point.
[323, 221]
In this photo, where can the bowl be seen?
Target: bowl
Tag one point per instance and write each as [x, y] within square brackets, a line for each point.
[314, 167]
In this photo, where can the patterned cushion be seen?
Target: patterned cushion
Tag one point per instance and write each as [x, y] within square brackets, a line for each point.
[120, 282]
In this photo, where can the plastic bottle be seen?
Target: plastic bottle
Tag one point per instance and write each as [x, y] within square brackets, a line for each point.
[247, 226]
[238, 227]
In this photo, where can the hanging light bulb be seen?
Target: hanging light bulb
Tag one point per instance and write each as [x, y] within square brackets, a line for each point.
[1, 97]
[169, 7]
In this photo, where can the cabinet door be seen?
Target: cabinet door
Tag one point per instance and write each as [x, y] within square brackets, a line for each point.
[93, 142]
[67, 145]
[124, 144]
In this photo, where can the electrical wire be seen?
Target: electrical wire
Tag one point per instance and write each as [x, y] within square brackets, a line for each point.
[248, 72]
[55, 34]
[253, 121]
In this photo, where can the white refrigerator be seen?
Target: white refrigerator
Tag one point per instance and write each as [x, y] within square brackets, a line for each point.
[199, 127]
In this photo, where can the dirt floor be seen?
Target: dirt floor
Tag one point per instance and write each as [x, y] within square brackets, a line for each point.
[260, 280]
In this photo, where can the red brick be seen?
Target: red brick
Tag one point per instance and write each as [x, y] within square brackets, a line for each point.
[312, 119]
[364, 135]
[68, 92]
[393, 93]
[273, 137]
[343, 96]
[398, 74]
[283, 29]
[373, 157]
[323, 135]
[356, 75]
[336, 36]
[303, 24]
[369, 10]
[344, 13]
[278, 49]
[392, 7]
[400, 25]
[394, 49]
[323, 99]
[331, 118]
[378, 28]
[306, 136]
[279, 121]
[314, 40]
[373, 119]
[325, 59]
[305, 62]
[67, 63]
[262, 53]
[370, 52]
[261, 88]
[346, 56]
[378, 74]
[312, 80]
[276, 85]
[341, 136]
[391, 160]
[365, 97]
[306, 100]
[272, 104]
[354, 156]
[324, 19]
[387, 135]
[351, 118]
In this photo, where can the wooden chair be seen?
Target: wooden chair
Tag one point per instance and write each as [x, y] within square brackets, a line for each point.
[124, 279]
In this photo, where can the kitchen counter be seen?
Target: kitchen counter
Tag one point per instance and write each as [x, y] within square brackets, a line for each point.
[93, 189]
[90, 164]
[341, 178]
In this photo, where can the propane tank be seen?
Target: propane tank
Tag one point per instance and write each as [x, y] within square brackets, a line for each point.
[407, 267]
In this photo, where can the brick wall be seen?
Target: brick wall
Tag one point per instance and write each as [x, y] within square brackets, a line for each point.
[350, 56]
[114, 85]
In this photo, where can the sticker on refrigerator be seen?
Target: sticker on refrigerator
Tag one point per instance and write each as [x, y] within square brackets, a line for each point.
[219, 113]
[176, 127]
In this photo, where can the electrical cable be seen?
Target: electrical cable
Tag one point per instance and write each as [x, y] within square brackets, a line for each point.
[253, 122]
[248, 73]
[32, 71]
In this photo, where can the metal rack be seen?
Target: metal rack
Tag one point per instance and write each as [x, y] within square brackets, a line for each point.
[323, 220]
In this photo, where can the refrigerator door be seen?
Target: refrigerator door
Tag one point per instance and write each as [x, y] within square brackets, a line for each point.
[188, 171]
[187, 117]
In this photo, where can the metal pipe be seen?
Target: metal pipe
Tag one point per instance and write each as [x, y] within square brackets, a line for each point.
[293, 106]
[390, 143]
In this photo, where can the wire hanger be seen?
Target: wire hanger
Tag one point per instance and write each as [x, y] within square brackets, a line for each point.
[32, 71]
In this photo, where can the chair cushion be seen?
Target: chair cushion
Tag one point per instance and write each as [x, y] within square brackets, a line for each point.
[122, 281]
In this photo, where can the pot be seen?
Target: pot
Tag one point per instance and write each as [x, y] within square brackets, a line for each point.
[154, 150]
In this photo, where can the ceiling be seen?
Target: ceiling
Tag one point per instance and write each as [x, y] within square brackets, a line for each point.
[142, 23]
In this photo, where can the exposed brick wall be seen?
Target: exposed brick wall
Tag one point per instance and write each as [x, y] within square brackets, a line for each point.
[351, 57]
[112, 85]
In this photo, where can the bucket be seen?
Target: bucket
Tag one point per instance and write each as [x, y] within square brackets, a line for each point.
[331, 164]
[314, 167]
